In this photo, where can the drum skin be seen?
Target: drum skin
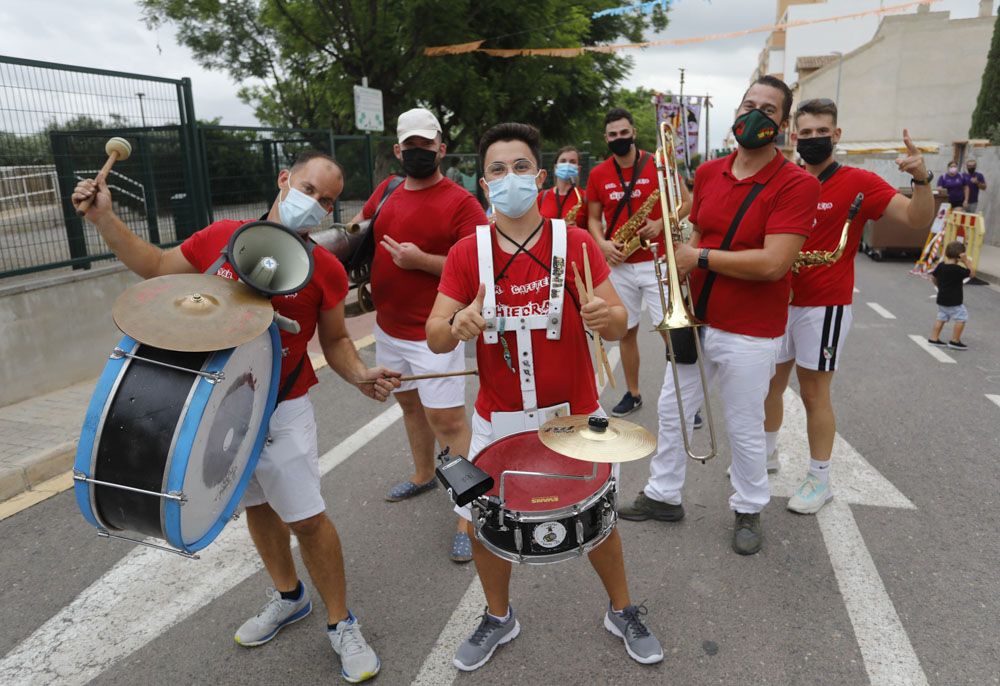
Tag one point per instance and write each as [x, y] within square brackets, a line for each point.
[543, 519]
[148, 426]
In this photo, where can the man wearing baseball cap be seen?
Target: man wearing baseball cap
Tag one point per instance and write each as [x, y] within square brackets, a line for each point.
[419, 217]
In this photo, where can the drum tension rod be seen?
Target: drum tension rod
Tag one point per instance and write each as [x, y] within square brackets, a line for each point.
[212, 377]
[172, 495]
[104, 533]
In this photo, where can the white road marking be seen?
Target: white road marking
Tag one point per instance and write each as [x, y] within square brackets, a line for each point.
[994, 398]
[932, 350]
[145, 594]
[884, 313]
[438, 668]
[889, 658]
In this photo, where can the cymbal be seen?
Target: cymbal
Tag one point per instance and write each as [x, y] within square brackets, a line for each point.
[192, 312]
[597, 439]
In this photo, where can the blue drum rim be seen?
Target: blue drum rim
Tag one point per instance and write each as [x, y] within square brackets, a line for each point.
[185, 441]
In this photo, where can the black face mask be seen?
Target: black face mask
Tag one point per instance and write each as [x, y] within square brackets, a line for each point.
[419, 163]
[815, 150]
[972, 169]
[621, 146]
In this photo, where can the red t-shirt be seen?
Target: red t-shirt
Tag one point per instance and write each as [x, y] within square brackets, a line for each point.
[555, 206]
[563, 369]
[325, 290]
[604, 186]
[786, 204]
[834, 285]
[433, 219]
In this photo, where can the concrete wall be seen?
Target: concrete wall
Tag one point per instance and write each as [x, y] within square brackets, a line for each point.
[57, 331]
[921, 71]
[987, 162]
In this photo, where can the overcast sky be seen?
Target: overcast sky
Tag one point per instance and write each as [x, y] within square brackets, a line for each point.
[110, 34]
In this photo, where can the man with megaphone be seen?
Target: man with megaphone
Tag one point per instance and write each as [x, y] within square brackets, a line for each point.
[284, 493]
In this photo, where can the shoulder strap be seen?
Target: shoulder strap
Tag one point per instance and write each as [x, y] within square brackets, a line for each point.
[557, 279]
[828, 172]
[286, 387]
[484, 255]
[393, 184]
[626, 200]
[701, 306]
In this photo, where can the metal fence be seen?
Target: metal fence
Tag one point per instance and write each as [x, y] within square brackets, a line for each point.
[55, 120]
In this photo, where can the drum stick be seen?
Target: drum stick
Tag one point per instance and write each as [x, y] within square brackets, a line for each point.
[590, 296]
[117, 149]
[601, 356]
[418, 377]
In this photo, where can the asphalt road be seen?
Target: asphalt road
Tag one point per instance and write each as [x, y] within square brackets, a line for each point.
[788, 615]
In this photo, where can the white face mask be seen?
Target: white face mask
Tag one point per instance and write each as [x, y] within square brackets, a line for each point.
[514, 194]
[298, 211]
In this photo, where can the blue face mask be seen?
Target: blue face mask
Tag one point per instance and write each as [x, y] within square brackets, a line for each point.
[298, 211]
[514, 194]
[567, 171]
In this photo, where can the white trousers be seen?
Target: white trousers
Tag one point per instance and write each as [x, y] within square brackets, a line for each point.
[740, 367]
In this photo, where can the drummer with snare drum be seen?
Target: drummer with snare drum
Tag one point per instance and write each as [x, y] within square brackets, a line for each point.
[494, 287]
[284, 493]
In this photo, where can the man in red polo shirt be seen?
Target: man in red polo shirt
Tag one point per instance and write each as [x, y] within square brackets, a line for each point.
[820, 314]
[284, 492]
[616, 189]
[416, 226]
[751, 213]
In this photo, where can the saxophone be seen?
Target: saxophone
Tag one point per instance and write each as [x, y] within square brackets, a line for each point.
[571, 215]
[817, 258]
[628, 233]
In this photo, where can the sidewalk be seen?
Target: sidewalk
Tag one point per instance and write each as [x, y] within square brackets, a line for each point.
[38, 437]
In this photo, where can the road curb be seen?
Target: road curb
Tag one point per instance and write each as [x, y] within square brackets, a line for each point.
[45, 465]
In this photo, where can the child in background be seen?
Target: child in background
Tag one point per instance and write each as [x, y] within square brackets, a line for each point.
[948, 276]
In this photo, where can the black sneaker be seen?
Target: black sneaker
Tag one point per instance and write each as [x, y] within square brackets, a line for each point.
[935, 341]
[747, 534]
[698, 421]
[644, 508]
[957, 345]
[629, 404]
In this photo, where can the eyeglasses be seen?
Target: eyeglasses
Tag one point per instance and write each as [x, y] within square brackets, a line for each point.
[497, 170]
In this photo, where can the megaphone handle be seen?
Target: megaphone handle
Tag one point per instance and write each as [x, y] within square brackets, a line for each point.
[286, 324]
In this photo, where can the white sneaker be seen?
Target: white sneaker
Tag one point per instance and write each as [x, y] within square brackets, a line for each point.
[358, 662]
[274, 616]
[773, 464]
[810, 496]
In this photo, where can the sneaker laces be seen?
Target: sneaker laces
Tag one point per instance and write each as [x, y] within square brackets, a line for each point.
[633, 620]
[486, 627]
[809, 486]
[351, 640]
[273, 606]
[744, 520]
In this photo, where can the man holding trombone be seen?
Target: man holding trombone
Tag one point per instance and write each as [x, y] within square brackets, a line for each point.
[751, 213]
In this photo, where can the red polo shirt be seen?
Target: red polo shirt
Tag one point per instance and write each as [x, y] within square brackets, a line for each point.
[554, 206]
[786, 204]
[605, 186]
[834, 285]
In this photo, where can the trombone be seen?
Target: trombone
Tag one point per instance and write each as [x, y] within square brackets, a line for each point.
[677, 308]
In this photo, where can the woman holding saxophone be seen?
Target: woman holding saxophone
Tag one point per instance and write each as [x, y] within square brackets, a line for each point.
[565, 200]
[819, 316]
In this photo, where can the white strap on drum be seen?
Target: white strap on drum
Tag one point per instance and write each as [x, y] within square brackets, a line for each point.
[523, 326]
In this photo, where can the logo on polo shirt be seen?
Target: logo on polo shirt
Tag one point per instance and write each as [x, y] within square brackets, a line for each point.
[824, 206]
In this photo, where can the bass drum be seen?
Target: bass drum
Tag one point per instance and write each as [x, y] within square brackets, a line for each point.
[171, 438]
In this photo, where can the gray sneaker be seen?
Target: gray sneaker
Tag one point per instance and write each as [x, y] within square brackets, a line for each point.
[641, 645]
[358, 662]
[644, 508]
[747, 534]
[477, 650]
[275, 615]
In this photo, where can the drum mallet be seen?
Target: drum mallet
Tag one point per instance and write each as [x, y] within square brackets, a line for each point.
[117, 149]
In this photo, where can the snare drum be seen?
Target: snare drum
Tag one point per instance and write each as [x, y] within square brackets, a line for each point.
[544, 507]
[171, 439]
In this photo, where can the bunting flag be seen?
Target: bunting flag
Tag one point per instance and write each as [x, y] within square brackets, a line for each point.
[668, 108]
[476, 46]
[644, 8]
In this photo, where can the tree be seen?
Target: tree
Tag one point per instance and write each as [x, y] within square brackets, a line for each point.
[987, 113]
[300, 59]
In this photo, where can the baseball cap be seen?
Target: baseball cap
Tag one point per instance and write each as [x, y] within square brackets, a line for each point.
[417, 122]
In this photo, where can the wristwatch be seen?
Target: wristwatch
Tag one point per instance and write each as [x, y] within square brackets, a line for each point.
[703, 258]
[930, 175]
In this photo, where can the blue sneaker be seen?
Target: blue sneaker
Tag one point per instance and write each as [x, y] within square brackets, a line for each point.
[358, 662]
[811, 496]
[274, 616]
[628, 404]
[408, 489]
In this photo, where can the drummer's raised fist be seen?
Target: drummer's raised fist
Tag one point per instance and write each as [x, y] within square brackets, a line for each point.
[468, 322]
[100, 205]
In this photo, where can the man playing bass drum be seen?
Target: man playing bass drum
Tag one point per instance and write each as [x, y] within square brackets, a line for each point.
[820, 315]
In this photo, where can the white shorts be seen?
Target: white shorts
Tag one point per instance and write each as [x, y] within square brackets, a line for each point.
[815, 336]
[287, 475]
[414, 357]
[483, 435]
[635, 283]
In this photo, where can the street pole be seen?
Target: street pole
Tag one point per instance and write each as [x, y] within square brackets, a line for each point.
[707, 106]
[684, 127]
[142, 112]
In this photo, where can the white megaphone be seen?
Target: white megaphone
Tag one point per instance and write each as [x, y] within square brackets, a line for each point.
[271, 259]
